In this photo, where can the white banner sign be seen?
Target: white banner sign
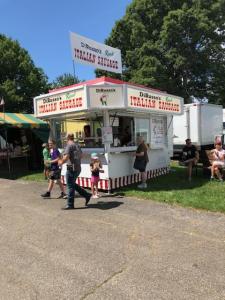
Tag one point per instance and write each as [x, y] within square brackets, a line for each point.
[86, 51]
[154, 101]
[61, 103]
[106, 96]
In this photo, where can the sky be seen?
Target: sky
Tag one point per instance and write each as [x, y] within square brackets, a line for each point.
[42, 27]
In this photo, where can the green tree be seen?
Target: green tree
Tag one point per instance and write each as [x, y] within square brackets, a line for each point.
[174, 45]
[64, 80]
[20, 80]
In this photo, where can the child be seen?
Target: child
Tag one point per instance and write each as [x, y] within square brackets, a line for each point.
[96, 168]
[47, 159]
[55, 172]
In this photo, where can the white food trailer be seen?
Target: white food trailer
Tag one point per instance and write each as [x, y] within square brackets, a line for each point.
[202, 123]
[116, 113]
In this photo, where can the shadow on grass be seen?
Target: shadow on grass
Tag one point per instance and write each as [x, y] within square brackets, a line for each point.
[176, 179]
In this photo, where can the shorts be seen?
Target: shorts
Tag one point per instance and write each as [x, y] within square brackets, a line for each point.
[186, 163]
[95, 179]
[143, 168]
[55, 175]
[220, 164]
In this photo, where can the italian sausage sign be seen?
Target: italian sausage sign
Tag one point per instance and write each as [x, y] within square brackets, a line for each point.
[86, 51]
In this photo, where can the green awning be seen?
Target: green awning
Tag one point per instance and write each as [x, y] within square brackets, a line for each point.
[21, 121]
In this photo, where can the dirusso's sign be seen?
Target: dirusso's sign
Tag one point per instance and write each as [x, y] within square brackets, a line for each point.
[154, 101]
[106, 97]
[60, 103]
[87, 51]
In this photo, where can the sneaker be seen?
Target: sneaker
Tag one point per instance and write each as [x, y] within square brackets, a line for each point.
[142, 185]
[61, 196]
[212, 178]
[95, 196]
[65, 196]
[46, 195]
[67, 208]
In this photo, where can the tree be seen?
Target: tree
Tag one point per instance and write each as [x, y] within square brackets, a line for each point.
[174, 45]
[64, 80]
[20, 80]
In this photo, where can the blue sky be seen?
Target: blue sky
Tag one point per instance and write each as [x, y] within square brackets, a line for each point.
[42, 28]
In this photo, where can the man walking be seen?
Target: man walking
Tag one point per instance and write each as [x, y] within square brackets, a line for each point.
[72, 156]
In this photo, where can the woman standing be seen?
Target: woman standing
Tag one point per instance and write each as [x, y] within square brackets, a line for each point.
[141, 160]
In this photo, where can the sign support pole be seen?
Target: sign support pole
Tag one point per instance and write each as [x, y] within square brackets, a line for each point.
[74, 73]
[6, 140]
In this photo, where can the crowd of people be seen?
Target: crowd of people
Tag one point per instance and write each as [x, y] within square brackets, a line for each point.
[53, 161]
[72, 154]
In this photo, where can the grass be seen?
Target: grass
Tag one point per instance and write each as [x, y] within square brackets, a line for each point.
[174, 188]
[23, 175]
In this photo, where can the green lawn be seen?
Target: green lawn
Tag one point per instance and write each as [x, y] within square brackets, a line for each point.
[174, 188]
[24, 175]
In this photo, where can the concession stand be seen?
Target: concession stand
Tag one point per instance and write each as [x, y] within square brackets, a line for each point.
[113, 114]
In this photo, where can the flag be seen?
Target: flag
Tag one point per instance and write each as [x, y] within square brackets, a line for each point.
[2, 103]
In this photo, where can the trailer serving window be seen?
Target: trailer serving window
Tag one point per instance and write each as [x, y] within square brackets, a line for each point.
[123, 130]
[142, 128]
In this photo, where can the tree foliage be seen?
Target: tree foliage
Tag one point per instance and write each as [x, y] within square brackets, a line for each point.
[20, 80]
[64, 80]
[174, 45]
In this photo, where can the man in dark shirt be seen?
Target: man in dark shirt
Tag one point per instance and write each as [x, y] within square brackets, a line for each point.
[72, 156]
[190, 157]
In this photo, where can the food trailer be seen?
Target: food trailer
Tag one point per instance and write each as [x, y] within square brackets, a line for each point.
[115, 113]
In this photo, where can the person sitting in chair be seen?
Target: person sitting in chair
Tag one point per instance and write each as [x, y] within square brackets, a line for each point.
[190, 157]
[218, 161]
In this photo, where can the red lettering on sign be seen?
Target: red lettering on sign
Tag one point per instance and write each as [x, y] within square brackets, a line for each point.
[142, 102]
[169, 106]
[71, 103]
[47, 108]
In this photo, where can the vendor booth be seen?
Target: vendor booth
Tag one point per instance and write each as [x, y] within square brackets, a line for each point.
[21, 137]
[113, 114]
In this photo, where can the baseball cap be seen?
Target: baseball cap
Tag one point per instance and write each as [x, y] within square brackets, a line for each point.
[94, 155]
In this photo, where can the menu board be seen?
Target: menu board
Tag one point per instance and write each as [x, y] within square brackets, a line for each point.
[157, 132]
[107, 136]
